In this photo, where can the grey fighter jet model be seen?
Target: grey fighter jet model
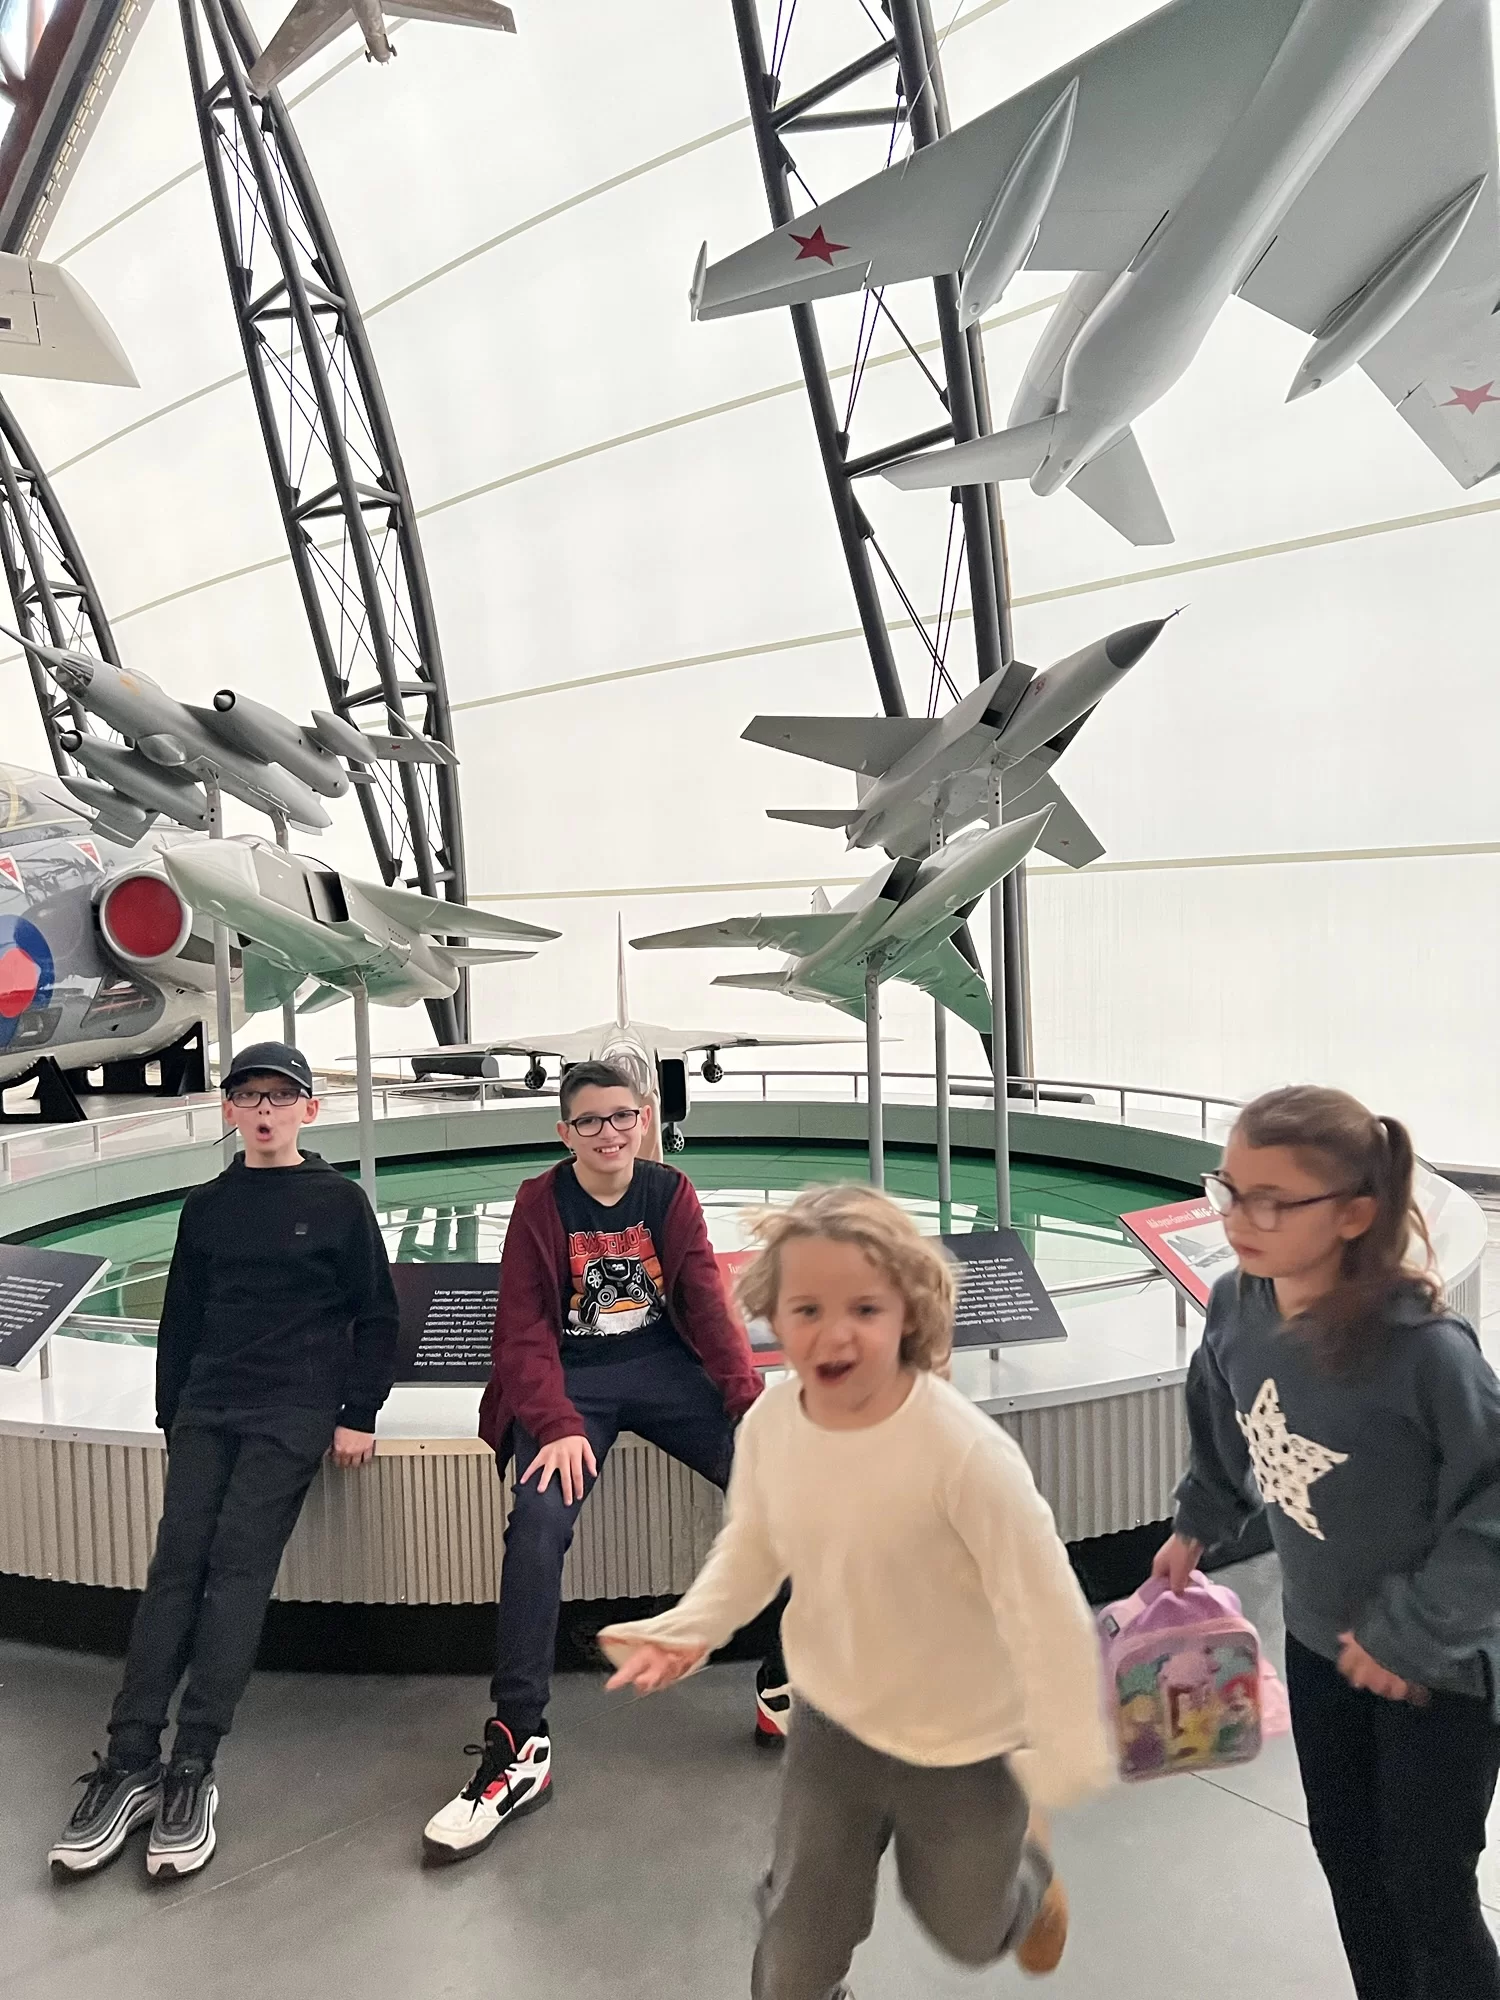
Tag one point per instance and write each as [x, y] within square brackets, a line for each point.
[1332, 161]
[254, 754]
[655, 1060]
[920, 782]
[298, 921]
[312, 24]
[100, 959]
[900, 923]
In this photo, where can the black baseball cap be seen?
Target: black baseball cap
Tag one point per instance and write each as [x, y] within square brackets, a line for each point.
[270, 1059]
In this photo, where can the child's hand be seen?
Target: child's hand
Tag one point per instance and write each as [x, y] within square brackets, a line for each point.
[1357, 1667]
[651, 1666]
[351, 1448]
[568, 1460]
[1176, 1560]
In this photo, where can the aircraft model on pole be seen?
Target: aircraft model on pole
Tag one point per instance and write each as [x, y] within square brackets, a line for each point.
[1333, 163]
[920, 782]
[898, 924]
[312, 24]
[251, 752]
[655, 1060]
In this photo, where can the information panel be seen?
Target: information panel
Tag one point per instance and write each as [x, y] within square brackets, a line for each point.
[1001, 1300]
[447, 1320]
[1186, 1240]
[38, 1289]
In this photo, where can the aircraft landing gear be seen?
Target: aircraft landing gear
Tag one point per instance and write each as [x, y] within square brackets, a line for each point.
[672, 1139]
[712, 1072]
[535, 1077]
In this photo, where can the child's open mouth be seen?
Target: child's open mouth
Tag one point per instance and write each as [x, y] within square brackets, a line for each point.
[834, 1371]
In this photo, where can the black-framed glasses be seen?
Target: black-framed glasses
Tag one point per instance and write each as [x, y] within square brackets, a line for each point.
[592, 1123]
[280, 1096]
[1263, 1211]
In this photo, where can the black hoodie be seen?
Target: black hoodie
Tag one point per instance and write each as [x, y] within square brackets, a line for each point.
[279, 1297]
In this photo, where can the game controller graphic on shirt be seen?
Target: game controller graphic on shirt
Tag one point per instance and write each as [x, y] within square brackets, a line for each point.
[617, 1282]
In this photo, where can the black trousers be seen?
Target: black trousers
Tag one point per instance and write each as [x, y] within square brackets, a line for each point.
[663, 1396]
[1397, 1798]
[236, 1480]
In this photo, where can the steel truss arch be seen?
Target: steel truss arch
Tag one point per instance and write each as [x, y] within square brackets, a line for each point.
[909, 56]
[339, 479]
[50, 586]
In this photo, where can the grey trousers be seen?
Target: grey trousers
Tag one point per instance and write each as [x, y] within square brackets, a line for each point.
[965, 1865]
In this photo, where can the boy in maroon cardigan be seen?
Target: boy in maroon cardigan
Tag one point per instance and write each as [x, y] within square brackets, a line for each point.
[612, 1317]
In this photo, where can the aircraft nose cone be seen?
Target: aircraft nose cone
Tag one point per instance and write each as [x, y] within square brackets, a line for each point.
[1123, 648]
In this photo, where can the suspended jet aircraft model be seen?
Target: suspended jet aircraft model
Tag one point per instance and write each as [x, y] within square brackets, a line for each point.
[1332, 161]
[920, 782]
[654, 1059]
[312, 24]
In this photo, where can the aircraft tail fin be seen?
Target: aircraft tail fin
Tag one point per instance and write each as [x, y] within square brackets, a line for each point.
[833, 817]
[1012, 454]
[1119, 487]
[622, 996]
[820, 902]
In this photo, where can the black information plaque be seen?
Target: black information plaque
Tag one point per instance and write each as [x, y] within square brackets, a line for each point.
[1001, 1300]
[38, 1289]
[447, 1318]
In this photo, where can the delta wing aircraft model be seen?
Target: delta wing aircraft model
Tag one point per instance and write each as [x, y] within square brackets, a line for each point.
[101, 961]
[920, 782]
[312, 24]
[654, 1059]
[1331, 161]
[298, 921]
[898, 924]
[262, 758]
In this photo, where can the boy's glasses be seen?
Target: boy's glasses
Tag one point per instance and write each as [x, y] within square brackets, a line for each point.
[246, 1099]
[592, 1123]
[1263, 1211]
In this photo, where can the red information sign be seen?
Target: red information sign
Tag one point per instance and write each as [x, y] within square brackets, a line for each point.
[763, 1348]
[1186, 1240]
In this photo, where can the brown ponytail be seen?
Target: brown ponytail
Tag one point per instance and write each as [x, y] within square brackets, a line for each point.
[1366, 1155]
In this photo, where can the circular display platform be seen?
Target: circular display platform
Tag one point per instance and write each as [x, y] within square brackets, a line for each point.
[456, 1210]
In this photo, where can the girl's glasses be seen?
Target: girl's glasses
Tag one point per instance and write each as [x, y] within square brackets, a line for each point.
[591, 1124]
[1263, 1211]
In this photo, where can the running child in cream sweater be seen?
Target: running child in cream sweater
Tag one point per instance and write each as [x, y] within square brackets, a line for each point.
[942, 1656]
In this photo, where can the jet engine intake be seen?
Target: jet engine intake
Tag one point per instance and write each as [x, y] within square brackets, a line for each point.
[143, 919]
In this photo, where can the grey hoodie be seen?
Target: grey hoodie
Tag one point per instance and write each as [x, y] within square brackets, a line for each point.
[1383, 1489]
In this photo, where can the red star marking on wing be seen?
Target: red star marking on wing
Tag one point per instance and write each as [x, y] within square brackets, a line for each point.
[1471, 400]
[818, 245]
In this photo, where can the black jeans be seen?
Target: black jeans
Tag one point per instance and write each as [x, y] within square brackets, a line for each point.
[236, 1480]
[663, 1396]
[1397, 1798]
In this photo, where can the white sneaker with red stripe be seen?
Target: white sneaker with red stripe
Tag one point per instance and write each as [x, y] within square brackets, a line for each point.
[508, 1784]
[773, 1711]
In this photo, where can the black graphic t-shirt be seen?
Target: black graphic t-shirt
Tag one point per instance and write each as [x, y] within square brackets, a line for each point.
[615, 1289]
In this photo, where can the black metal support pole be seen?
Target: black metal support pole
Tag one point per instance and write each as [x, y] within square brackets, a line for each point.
[852, 527]
[332, 451]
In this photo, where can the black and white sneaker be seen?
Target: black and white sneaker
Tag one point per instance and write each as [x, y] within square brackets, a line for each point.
[508, 1784]
[182, 1836]
[114, 1803]
[773, 1711]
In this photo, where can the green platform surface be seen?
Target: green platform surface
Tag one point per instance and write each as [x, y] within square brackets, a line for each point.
[456, 1211]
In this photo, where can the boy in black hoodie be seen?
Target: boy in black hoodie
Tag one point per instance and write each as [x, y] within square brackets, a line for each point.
[276, 1347]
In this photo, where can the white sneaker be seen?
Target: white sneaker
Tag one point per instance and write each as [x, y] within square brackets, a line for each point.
[773, 1713]
[508, 1783]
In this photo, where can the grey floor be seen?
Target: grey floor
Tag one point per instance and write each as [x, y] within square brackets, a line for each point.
[634, 1885]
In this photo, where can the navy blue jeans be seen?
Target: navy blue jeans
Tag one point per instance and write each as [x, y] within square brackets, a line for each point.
[663, 1396]
[1397, 1799]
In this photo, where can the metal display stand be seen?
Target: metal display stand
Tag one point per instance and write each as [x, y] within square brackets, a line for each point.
[875, 1083]
[961, 407]
[339, 480]
[365, 1092]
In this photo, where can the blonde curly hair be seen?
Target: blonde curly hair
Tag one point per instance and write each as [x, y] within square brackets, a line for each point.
[916, 1265]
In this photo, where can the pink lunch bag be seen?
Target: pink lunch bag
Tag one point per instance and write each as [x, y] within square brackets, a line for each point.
[1183, 1679]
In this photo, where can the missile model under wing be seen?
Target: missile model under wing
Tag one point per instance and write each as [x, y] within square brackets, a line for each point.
[312, 24]
[900, 922]
[923, 781]
[297, 921]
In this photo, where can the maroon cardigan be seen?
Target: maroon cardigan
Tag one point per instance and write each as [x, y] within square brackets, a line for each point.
[526, 1374]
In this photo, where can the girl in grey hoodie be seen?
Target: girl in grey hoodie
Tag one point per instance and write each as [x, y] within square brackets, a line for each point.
[1332, 1385]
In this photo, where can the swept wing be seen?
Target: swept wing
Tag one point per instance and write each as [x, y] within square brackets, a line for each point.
[1155, 103]
[806, 931]
[868, 744]
[947, 975]
[1427, 132]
